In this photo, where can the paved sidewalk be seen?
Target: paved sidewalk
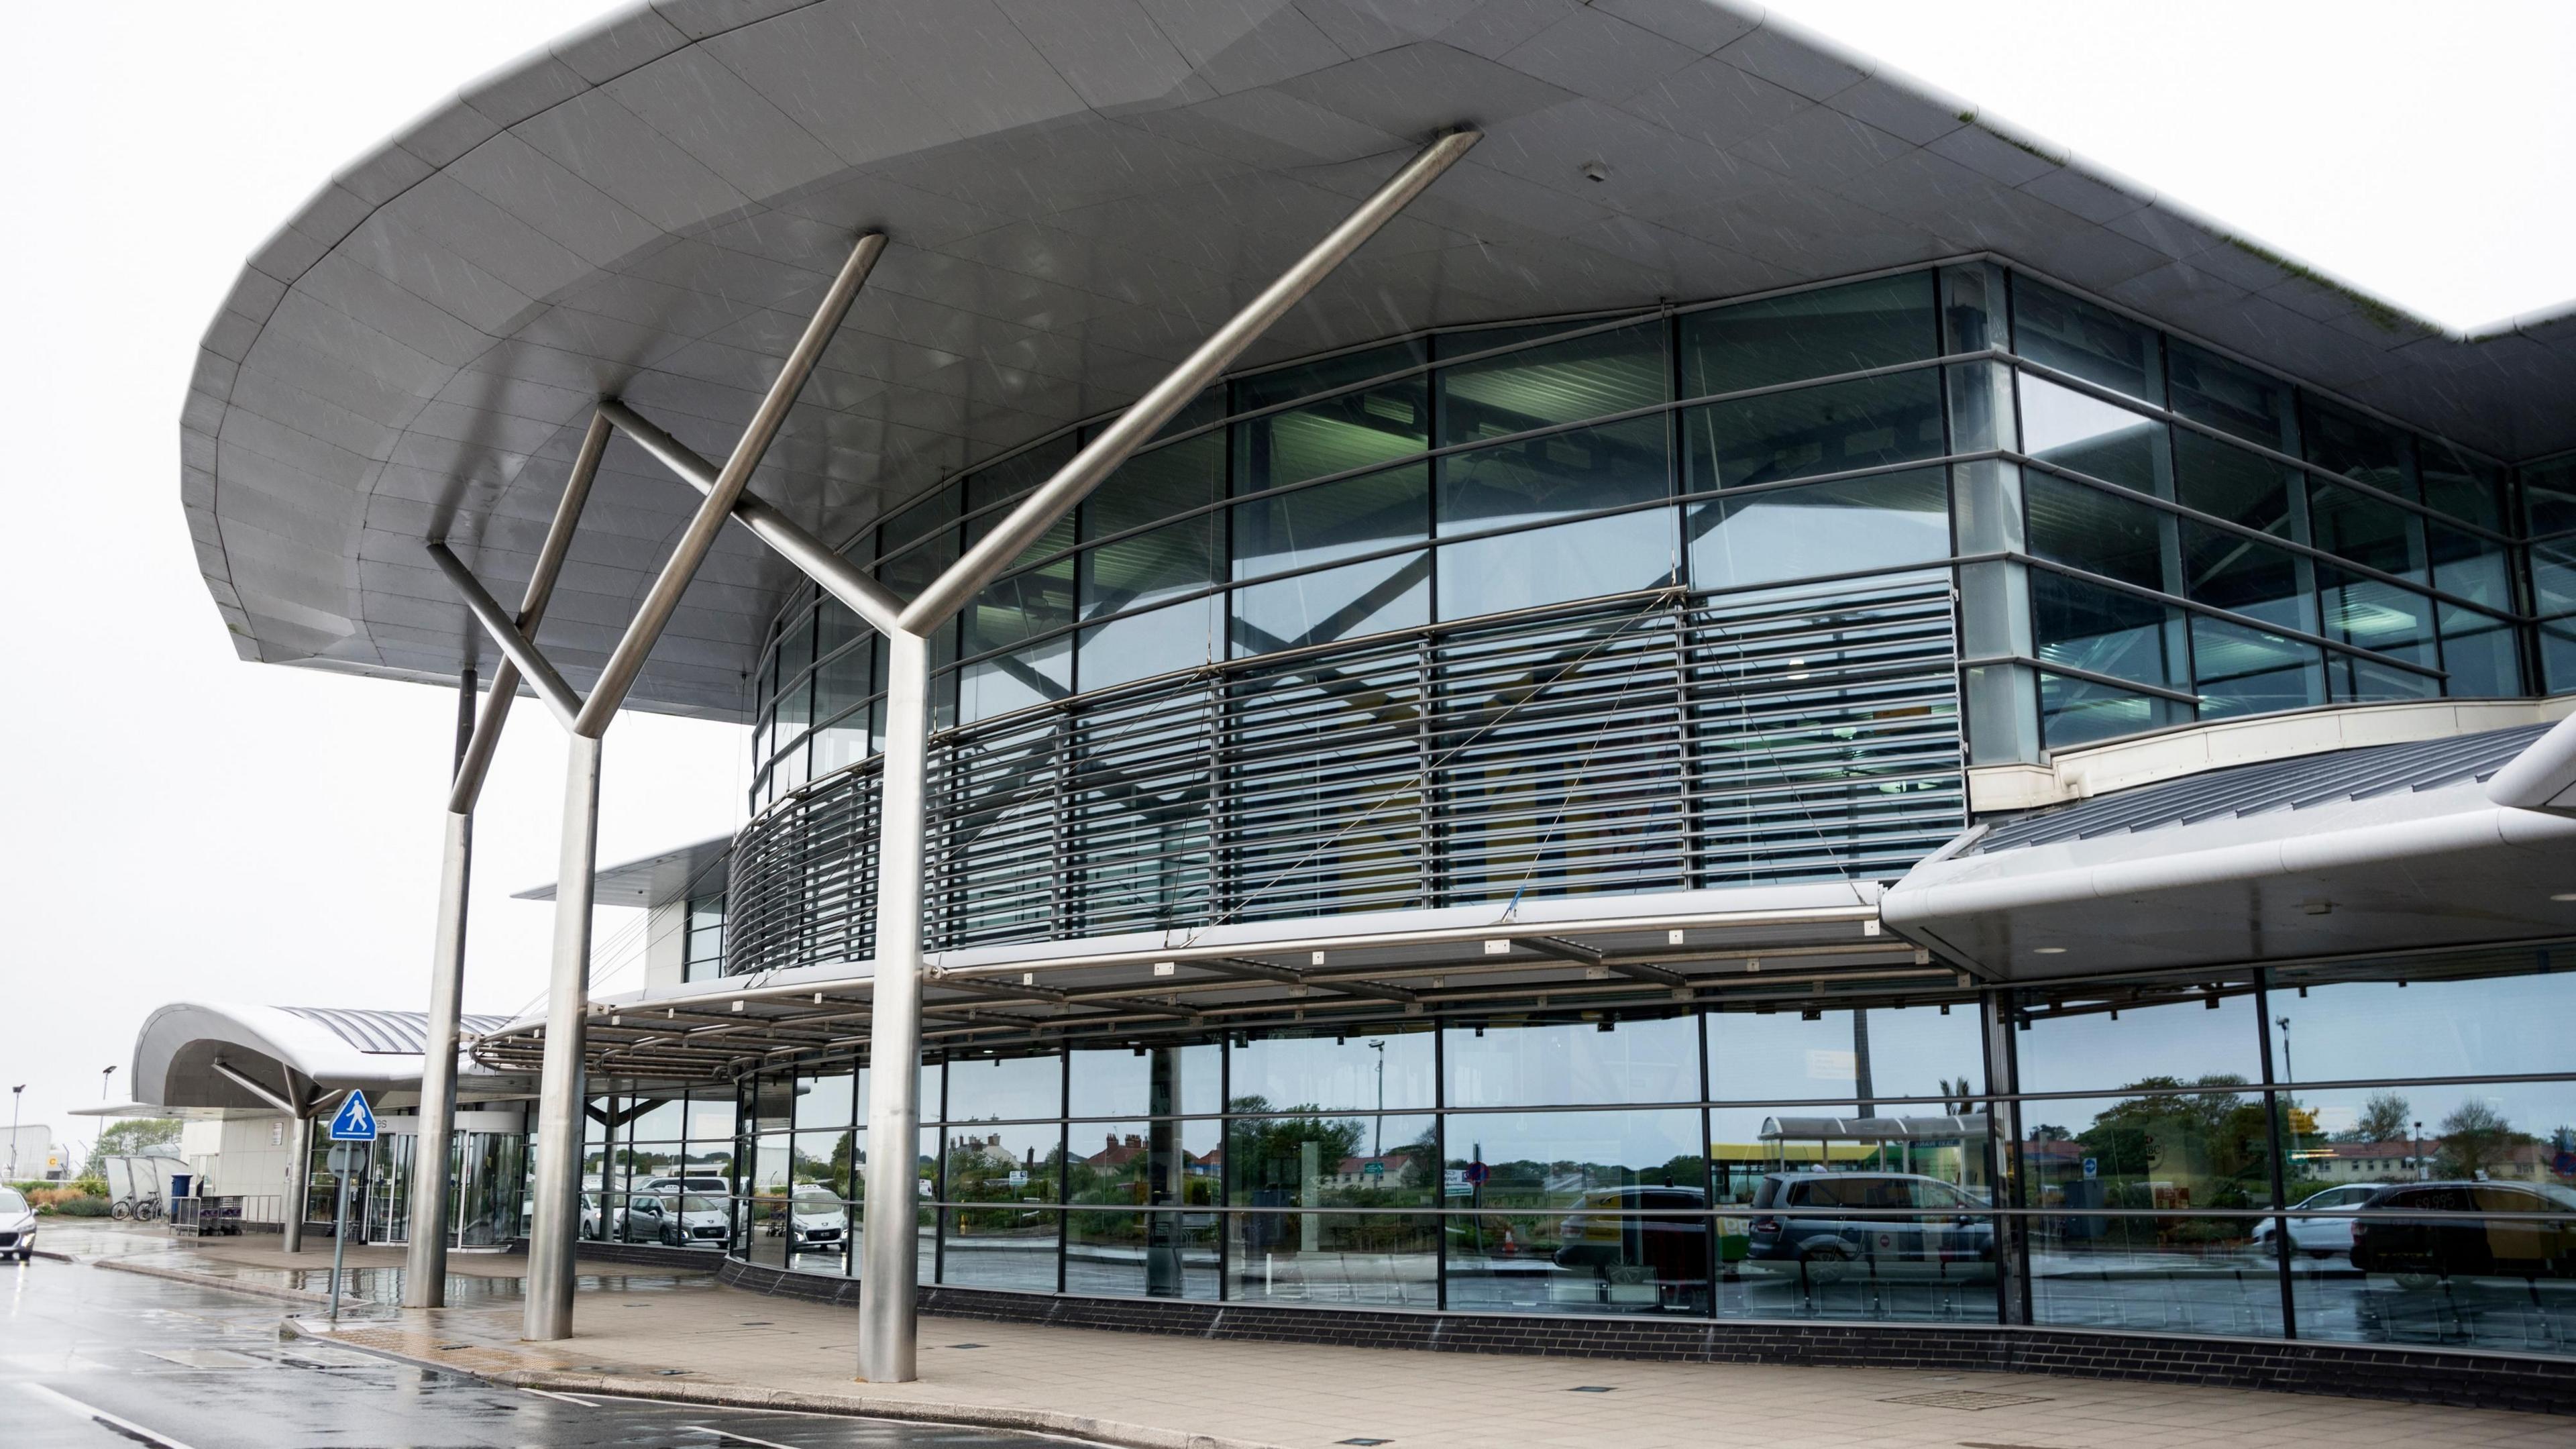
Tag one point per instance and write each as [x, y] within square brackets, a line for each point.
[680, 1335]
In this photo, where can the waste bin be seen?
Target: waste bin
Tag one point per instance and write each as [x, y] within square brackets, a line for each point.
[179, 1184]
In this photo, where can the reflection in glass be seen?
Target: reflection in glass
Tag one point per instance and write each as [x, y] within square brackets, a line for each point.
[1846, 1054]
[1155, 1081]
[1585, 377]
[1005, 1089]
[1892, 521]
[2162, 1272]
[2098, 532]
[1860, 1242]
[2073, 336]
[1332, 1074]
[2210, 389]
[1375, 1260]
[1275, 1164]
[2107, 1047]
[2084, 434]
[2482, 1264]
[1554, 476]
[2238, 671]
[1568, 1063]
[1835, 428]
[1005, 1235]
[1111, 1246]
[1335, 435]
[1332, 521]
[1557, 1193]
[1332, 604]
[1820, 333]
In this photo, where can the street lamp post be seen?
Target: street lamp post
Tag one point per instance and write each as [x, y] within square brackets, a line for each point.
[2289, 1068]
[2415, 1145]
[14, 1094]
[1379, 1047]
[103, 1074]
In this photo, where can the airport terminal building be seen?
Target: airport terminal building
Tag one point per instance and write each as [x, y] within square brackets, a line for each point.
[1777, 709]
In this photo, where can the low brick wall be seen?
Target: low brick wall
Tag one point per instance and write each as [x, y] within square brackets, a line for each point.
[2460, 1378]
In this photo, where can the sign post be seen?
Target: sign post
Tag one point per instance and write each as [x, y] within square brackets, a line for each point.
[353, 1124]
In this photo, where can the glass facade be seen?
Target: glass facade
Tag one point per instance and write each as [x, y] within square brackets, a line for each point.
[1758, 579]
[2284, 1153]
[1662, 601]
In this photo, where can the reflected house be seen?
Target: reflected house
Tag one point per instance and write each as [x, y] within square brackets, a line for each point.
[1938, 680]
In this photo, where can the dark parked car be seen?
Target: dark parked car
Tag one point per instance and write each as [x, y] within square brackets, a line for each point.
[1948, 1235]
[2423, 1232]
[1676, 1248]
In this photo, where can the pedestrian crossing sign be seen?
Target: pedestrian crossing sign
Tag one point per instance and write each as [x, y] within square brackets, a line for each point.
[354, 1123]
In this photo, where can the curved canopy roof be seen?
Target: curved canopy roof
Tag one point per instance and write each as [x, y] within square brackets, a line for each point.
[286, 1049]
[1076, 193]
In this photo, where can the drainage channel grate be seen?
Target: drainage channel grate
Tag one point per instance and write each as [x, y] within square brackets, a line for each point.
[1965, 1399]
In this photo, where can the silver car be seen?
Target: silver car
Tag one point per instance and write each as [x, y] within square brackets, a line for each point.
[17, 1225]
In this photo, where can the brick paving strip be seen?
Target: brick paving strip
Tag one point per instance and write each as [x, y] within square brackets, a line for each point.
[682, 1338]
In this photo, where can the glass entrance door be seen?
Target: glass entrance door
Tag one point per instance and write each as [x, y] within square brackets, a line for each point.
[387, 1184]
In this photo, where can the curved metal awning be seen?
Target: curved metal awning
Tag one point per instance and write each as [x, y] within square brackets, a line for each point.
[1536, 960]
[2381, 849]
[1075, 193]
[183, 1051]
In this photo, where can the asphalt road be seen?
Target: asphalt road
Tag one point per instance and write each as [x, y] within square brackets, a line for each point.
[91, 1359]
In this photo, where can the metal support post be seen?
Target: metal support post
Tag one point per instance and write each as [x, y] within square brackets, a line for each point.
[557, 1216]
[887, 1275]
[340, 1154]
[425, 1260]
[887, 1325]
[299, 1177]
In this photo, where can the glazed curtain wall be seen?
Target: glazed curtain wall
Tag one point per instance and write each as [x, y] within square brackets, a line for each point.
[1629, 603]
[2130, 1155]
[2214, 537]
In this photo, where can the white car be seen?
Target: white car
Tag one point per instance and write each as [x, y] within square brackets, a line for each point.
[687, 1220]
[2320, 1237]
[17, 1225]
[816, 1220]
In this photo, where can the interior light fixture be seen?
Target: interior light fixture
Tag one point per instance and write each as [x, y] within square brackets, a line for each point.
[2048, 951]
[2563, 896]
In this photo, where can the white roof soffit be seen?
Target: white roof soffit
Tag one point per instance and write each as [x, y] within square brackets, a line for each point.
[672, 875]
[650, 208]
[2373, 864]
[1564, 955]
[176, 1050]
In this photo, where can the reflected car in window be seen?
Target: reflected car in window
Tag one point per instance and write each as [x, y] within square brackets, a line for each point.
[686, 1220]
[1603, 1237]
[2319, 1237]
[814, 1219]
[2423, 1232]
[1795, 1229]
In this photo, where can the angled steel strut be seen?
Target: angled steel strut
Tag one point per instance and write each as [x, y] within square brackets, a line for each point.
[556, 1218]
[888, 1271]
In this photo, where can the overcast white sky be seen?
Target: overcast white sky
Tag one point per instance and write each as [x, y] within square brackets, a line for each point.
[175, 824]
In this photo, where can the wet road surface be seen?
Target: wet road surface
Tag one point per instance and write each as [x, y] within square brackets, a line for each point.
[98, 1360]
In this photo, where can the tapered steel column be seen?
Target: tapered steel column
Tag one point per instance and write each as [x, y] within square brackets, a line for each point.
[299, 1177]
[887, 1327]
[557, 1217]
[559, 1116]
[887, 1275]
[425, 1260]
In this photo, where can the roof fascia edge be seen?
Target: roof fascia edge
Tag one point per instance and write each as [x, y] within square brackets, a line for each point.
[1924, 903]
